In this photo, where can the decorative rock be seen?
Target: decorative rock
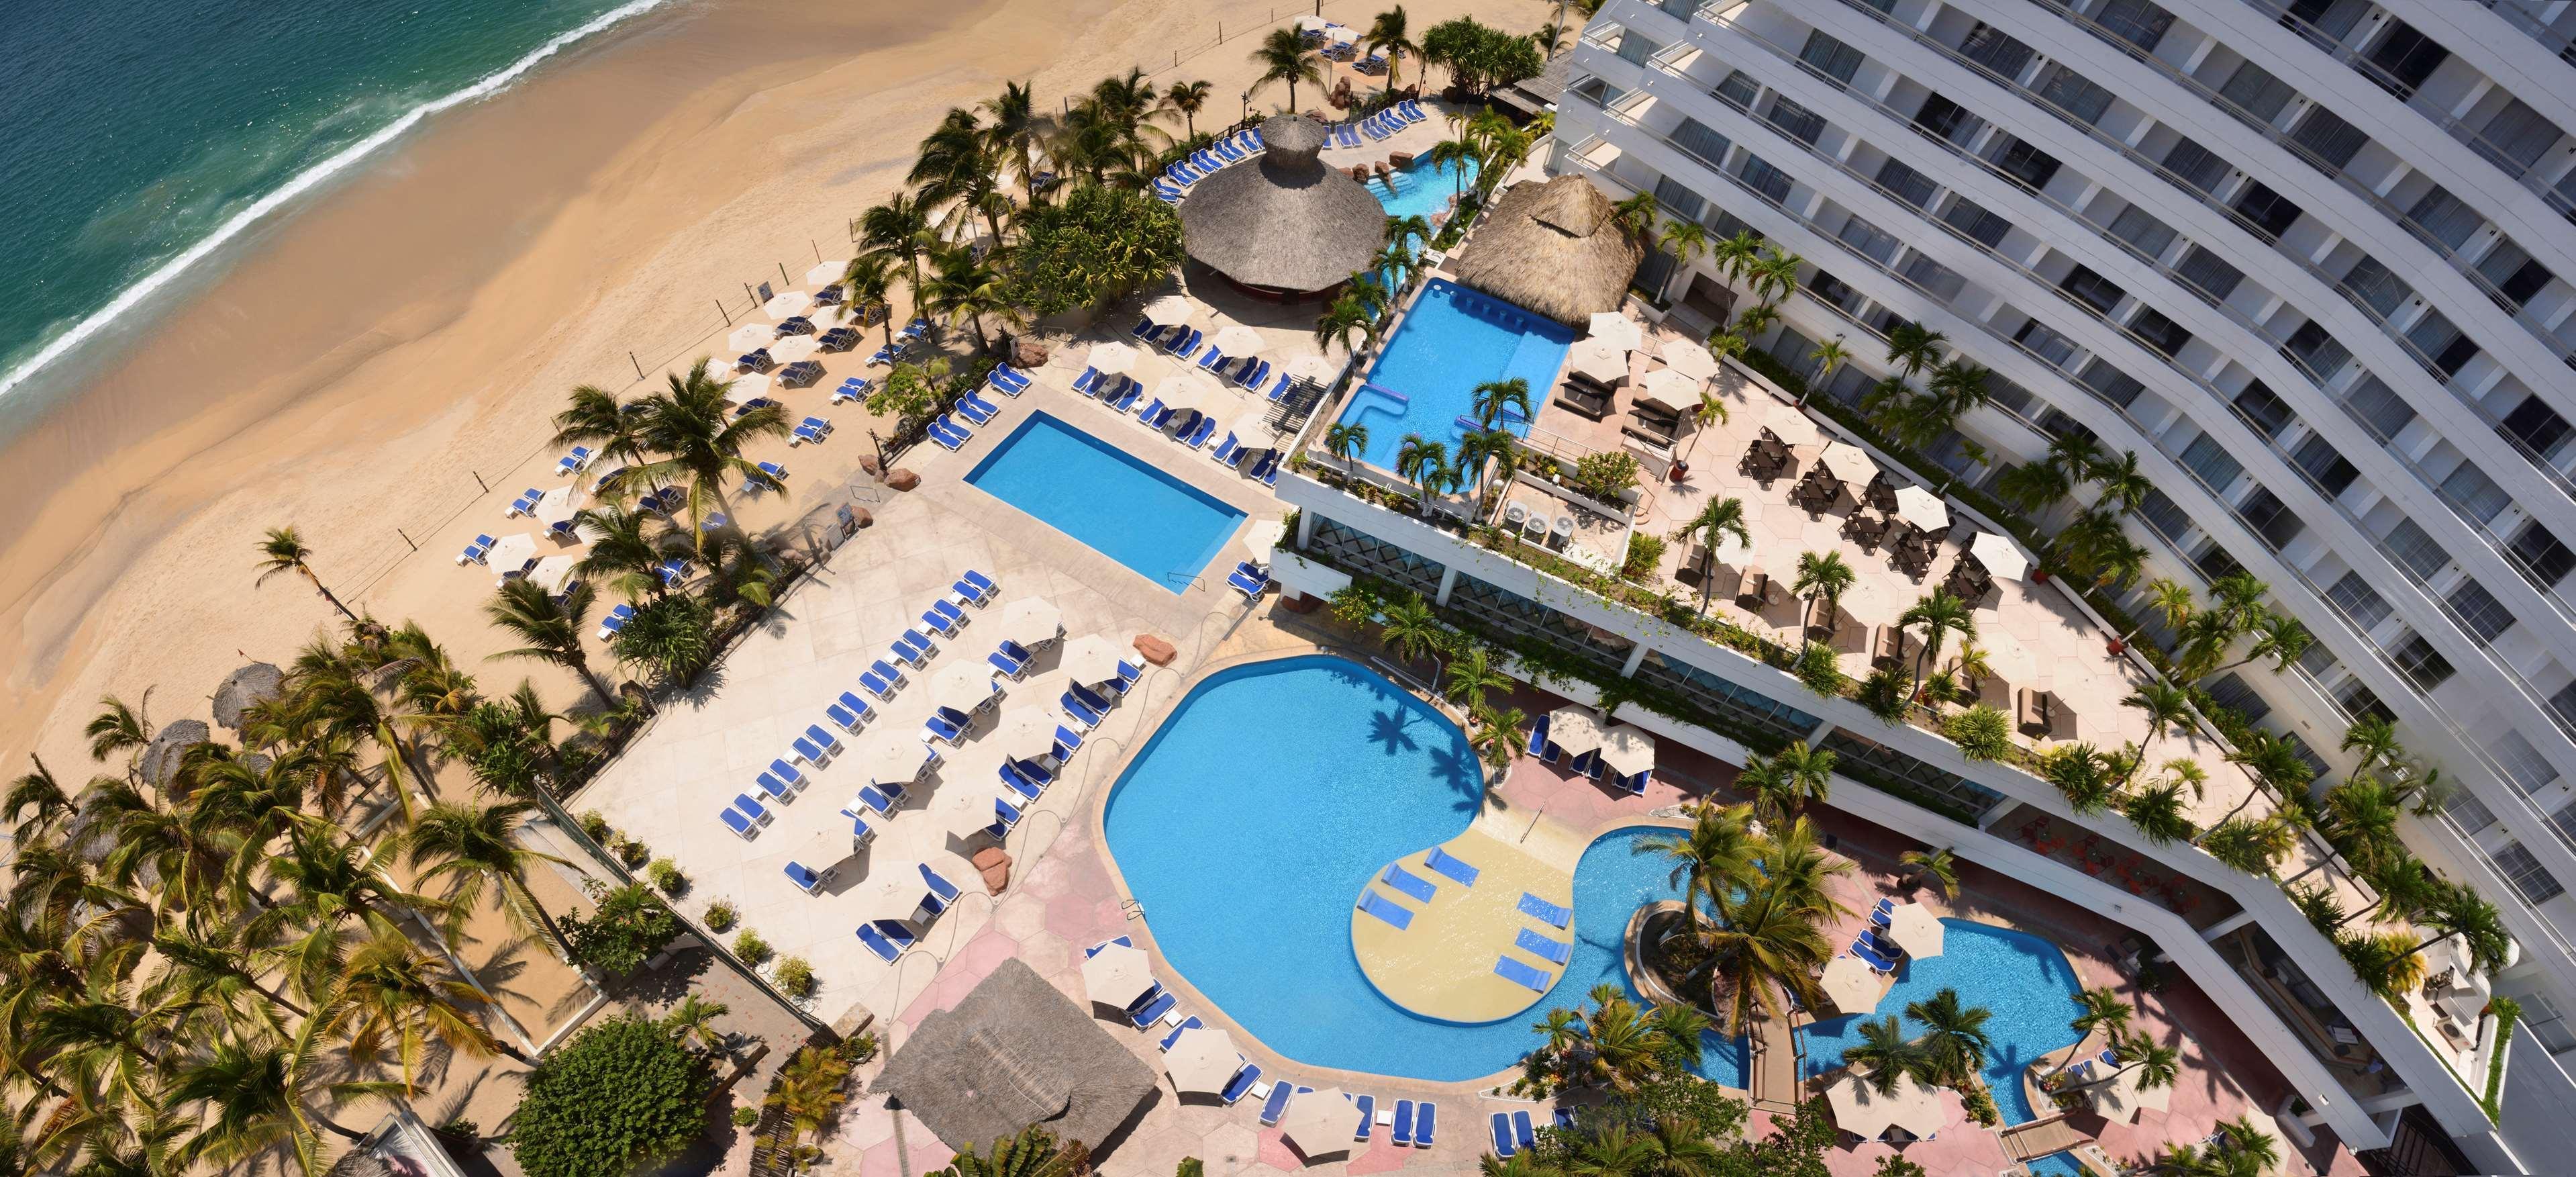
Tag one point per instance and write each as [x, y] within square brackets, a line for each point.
[996, 878]
[1029, 353]
[860, 517]
[1400, 158]
[1155, 650]
[989, 857]
[903, 479]
[868, 463]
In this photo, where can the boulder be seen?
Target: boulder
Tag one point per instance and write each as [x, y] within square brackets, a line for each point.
[1155, 650]
[869, 464]
[859, 517]
[990, 857]
[1400, 158]
[1028, 353]
[996, 878]
[903, 479]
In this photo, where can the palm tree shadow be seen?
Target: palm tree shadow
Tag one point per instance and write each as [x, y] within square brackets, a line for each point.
[1390, 729]
[1457, 767]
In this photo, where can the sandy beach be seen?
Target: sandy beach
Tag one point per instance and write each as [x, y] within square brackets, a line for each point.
[365, 366]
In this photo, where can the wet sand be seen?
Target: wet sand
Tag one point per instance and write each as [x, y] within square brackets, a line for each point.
[365, 366]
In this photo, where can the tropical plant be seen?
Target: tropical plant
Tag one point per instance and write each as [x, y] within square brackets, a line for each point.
[2159, 813]
[627, 926]
[2098, 1008]
[1981, 732]
[1095, 248]
[620, 1095]
[1495, 399]
[1714, 859]
[550, 626]
[1411, 630]
[1937, 616]
[1423, 463]
[1955, 1041]
[282, 550]
[255, 1094]
[1388, 34]
[1187, 99]
[670, 639]
[470, 849]
[2082, 774]
[1283, 57]
[1716, 520]
[1937, 867]
[1822, 576]
[1884, 1055]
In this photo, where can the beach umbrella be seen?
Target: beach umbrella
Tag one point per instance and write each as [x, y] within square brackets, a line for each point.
[1030, 621]
[1117, 975]
[794, 348]
[2000, 556]
[1089, 659]
[1253, 428]
[1025, 732]
[1616, 330]
[1310, 24]
[1849, 464]
[746, 387]
[551, 573]
[894, 891]
[1670, 390]
[1850, 985]
[553, 507]
[1311, 366]
[1167, 310]
[1320, 1123]
[511, 552]
[1113, 358]
[1688, 358]
[1627, 749]
[1202, 1061]
[1731, 549]
[1598, 360]
[1263, 538]
[1793, 428]
[1861, 1111]
[827, 272]
[893, 755]
[1575, 728]
[828, 845]
[1238, 340]
[750, 336]
[1187, 390]
[963, 810]
[787, 304]
[1341, 34]
[964, 686]
[1921, 508]
[1915, 929]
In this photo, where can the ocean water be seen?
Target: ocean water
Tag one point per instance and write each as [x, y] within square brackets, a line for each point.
[142, 134]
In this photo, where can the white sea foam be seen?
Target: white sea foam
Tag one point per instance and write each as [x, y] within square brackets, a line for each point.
[303, 182]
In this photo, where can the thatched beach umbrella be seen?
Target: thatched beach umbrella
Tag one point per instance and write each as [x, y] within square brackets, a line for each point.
[169, 746]
[253, 684]
[1555, 248]
[1015, 1052]
[1286, 222]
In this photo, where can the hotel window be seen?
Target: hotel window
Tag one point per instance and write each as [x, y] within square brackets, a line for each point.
[2328, 138]
[2414, 550]
[2360, 702]
[2121, 388]
[2526, 874]
[2484, 615]
[2165, 515]
[2158, 332]
[2509, 268]
[2195, 166]
[2215, 562]
[2324, 463]
[2021, 161]
[2563, 823]
[2254, 90]
[2441, 342]
[2211, 461]
[1935, 278]
[2539, 552]
[2379, 406]
[1697, 140]
[2472, 491]
[2231, 692]
[2318, 663]
[1870, 241]
[2564, 703]
[2358, 601]
[2405, 57]
[2045, 343]
[2138, 22]
[2334, 18]
[2210, 273]
[1738, 90]
[2263, 410]
[2535, 424]
[2142, 230]
[1996, 50]
[1677, 196]
[1830, 57]
[1758, 174]
[2317, 353]
[2524, 767]
[1904, 183]
[1973, 219]
[1795, 121]
[2373, 285]
[2467, 811]
[2092, 289]
[1635, 48]
[1943, 119]
[2271, 213]
[2517, 136]
[2444, 218]
[2076, 94]
[2270, 518]
[1354, 548]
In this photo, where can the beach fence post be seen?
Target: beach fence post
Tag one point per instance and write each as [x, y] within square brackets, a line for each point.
[783, 279]
[406, 538]
[818, 250]
[478, 480]
[639, 365]
[727, 315]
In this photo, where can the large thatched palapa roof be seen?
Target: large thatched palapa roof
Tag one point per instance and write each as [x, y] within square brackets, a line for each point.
[1284, 221]
[1016, 1052]
[1555, 248]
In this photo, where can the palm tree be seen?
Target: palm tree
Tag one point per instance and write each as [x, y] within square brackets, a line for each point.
[1938, 616]
[472, 847]
[1775, 276]
[2165, 707]
[36, 803]
[1494, 397]
[2096, 1009]
[1736, 255]
[1684, 240]
[2082, 774]
[1715, 521]
[1955, 1038]
[283, 551]
[1032, 1153]
[1938, 867]
[701, 439]
[1887, 1055]
[694, 1020]
[1453, 155]
[1422, 463]
[1411, 630]
[1187, 98]
[2362, 820]
[394, 998]
[1636, 216]
[2278, 637]
[1714, 859]
[2157, 1065]
[1346, 442]
[1283, 57]
[2032, 486]
[1783, 782]
[1472, 674]
[254, 1097]
[1801, 872]
[594, 418]
[1012, 126]
[964, 286]
[1497, 737]
[1822, 576]
[1828, 355]
[869, 281]
[1387, 32]
[1343, 317]
[328, 883]
[1767, 945]
[2463, 913]
[338, 698]
[899, 231]
[2159, 813]
[551, 627]
[1912, 347]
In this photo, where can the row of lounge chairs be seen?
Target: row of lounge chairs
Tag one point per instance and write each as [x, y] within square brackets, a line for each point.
[1206, 161]
[889, 938]
[1249, 578]
[1004, 379]
[1878, 952]
[1392, 119]
[1412, 1124]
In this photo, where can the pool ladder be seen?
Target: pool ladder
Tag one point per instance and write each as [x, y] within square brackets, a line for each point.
[1132, 909]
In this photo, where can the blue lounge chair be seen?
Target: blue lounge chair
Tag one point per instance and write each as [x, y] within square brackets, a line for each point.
[1538, 738]
[974, 411]
[1502, 1130]
[1128, 673]
[949, 610]
[1009, 380]
[736, 822]
[526, 502]
[1257, 374]
[1556, 917]
[1170, 1039]
[1448, 864]
[1279, 389]
[873, 799]
[912, 647]
[895, 933]
[1121, 941]
[1005, 664]
[1523, 1134]
[1247, 582]
[1082, 384]
[876, 684]
[940, 888]
[1277, 1105]
[823, 738]
[1085, 716]
[890, 673]
[1402, 1132]
[1227, 451]
[1421, 889]
[878, 944]
[773, 787]
[1514, 971]
[1366, 1105]
[1018, 783]
[1067, 742]
[852, 389]
[615, 621]
[947, 435]
[1143, 328]
[805, 433]
[931, 618]
[1551, 951]
[1242, 1082]
[1385, 909]
[474, 552]
[984, 586]
[1004, 817]
[860, 831]
[1425, 1120]
[1878, 916]
[944, 731]
[574, 461]
[1129, 392]
[1875, 961]
[804, 748]
[1151, 416]
[1090, 698]
[1199, 436]
[805, 878]
[1153, 1010]
[1165, 192]
[1267, 469]
[1213, 360]
[754, 810]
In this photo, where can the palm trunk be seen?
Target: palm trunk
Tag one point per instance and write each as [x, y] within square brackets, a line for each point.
[326, 592]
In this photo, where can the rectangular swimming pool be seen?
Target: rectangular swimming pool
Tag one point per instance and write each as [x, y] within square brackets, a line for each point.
[1120, 506]
[1451, 341]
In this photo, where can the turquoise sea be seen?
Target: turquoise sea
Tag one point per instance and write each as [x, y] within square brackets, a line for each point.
[142, 134]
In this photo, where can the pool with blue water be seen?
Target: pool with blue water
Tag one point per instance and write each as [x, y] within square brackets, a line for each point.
[2056, 1164]
[2022, 979]
[1421, 188]
[1163, 529]
[1452, 340]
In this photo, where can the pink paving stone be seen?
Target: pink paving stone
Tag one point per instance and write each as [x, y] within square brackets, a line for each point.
[1276, 1153]
[882, 1160]
[1074, 916]
[1382, 1156]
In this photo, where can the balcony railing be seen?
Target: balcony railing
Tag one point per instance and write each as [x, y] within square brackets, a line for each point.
[2551, 39]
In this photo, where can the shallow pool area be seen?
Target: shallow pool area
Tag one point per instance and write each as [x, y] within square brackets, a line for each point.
[2024, 980]
[1420, 188]
[1452, 339]
[1163, 529]
[1268, 798]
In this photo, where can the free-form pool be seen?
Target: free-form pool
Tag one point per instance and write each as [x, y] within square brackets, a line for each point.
[1164, 529]
[2024, 980]
[1420, 188]
[1452, 340]
[1271, 794]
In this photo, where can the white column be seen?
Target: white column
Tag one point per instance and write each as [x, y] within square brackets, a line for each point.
[1448, 580]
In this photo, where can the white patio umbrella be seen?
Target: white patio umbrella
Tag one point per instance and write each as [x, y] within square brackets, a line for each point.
[551, 573]
[1850, 985]
[1113, 358]
[1312, 23]
[892, 755]
[794, 348]
[511, 552]
[1187, 390]
[893, 890]
[1731, 549]
[1089, 659]
[1025, 732]
[826, 273]
[750, 336]
[1848, 463]
[962, 810]
[1793, 427]
[1263, 538]
[828, 845]
[1669, 389]
[1688, 358]
[964, 686]
[1627, 749]
[1238, 340]
[1202, 1061]
[1865, 1113]
[553, 507]
[1117, 975]
[1030, 621]
[1311, 366]
[2000, 556]
[1922, 508]
[787, 304]
[1616, 330]
[1167, 310]
[746, 387]
[1253, 428]
[1598, 360]
[1321, 1123]
[1916, 930]
[1341, 34]
[1576, 729]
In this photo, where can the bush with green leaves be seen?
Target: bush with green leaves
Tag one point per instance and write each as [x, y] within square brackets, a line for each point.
[594, 824]
[627, 928]
[1092, 248]
[1606, 476]
[1354, 604]
[1645, 551]
[1981, 732]
[753, 950]
[668, 640]
[666, 876]
[1822, 670]
[1893, 1165]
[744, 1116]
[795, 978]
[621, 1095]
[1884, 692]
[721, 916]
[632, 852]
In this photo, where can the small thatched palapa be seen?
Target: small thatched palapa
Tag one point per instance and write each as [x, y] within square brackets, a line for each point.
[1555, 248]
[1285, 221]
[1015, 1053]
[255, 683]
[169, 747]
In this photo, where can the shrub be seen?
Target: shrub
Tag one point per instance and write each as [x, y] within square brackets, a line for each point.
[1644, 552]
[629, 926]
[1354, 604]
[1981, 732]
[1191, 1167]
[753, 950]
[632, 852]
[721, 917]
[745, 1116]
[859, 1049]
[1822, 670]
[1606, 476]
[622, 1095]
[594, 824]
[795, 977]
[1883, 692]
[1093, 247]
[1896, 1166]
[669, 639]
[666, 876]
